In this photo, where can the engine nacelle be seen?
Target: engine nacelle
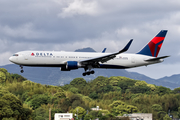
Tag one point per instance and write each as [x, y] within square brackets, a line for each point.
[70, 65]
[64, 69]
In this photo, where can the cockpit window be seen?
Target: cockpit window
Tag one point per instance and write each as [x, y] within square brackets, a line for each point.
[15, 55]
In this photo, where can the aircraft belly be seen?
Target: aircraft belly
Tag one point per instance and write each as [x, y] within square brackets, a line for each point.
[123, 62]
[109, 66]
[115, 64]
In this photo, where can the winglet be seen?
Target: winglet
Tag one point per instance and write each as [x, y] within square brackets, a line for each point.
[126, 47]
[104, 50]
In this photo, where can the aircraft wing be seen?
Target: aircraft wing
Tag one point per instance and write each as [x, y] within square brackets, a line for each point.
[106, 57]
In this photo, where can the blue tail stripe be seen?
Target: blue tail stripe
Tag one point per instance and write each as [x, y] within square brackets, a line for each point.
[157, 47]
[162, 33]
[145, 51]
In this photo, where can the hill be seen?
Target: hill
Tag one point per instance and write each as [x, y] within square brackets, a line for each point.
[53, 76]
[21, 99]
[175, 79]
[88, 49]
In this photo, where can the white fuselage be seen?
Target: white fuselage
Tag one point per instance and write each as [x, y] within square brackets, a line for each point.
[59, 59]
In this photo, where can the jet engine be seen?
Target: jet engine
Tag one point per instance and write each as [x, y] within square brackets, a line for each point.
[70, 65]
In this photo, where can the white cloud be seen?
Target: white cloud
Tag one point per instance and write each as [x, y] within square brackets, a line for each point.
[79, 7]
[73, 24]
[125, 31]
[5, 58]
[26, 31]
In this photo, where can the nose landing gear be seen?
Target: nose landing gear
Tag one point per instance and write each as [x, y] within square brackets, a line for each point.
[21, 69]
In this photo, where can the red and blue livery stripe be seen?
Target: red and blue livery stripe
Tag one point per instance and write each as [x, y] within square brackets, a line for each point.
[154, 46]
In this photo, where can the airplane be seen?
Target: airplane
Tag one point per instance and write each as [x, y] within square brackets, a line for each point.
[89, 60]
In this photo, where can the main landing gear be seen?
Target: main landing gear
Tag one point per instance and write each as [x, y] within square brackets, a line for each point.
[89, 67]
[21, 69]
[88, 73]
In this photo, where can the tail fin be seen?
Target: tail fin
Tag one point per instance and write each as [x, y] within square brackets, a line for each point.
[154, 46]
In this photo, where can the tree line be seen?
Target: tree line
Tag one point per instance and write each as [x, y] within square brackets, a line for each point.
[22, 99]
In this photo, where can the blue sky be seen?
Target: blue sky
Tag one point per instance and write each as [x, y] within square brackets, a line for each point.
[72, 24]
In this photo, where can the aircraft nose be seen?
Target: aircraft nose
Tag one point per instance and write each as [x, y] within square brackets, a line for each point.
[11, 59]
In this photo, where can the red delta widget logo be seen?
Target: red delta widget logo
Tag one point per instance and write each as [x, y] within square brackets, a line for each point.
[42, 54]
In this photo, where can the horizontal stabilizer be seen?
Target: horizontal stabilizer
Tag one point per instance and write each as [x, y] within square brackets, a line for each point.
[157, 58]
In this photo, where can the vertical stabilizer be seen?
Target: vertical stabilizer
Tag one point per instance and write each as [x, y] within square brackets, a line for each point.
[154, 46]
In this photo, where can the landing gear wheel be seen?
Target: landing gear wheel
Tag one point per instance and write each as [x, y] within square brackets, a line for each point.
[89, 67]
[22, 71]
[84, 74]
[92, 72]
[88, 73]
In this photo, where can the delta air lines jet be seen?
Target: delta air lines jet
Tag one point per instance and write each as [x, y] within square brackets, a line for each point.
[88, 60]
